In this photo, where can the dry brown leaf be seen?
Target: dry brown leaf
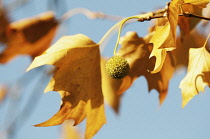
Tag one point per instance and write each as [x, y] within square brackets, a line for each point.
[198, 75]
[184, 43]
[199, 3]
[68, 131]
[160, 81]
[77, 80]
[4, 22]
[30, 36]
[135, 50]
[186, 24]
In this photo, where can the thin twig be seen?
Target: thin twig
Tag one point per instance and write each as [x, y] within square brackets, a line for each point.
[150, 18]
[89, 14]
[189, 14]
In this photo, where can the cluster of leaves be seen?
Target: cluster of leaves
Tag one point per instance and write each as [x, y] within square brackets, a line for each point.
[80, 76]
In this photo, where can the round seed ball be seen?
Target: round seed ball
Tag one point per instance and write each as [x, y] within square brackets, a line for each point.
[117, 67]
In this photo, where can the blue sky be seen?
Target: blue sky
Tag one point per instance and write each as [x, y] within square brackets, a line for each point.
[140, 115]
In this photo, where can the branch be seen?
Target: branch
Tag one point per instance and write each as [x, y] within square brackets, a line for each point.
[150, 18]
[89, 14]
[161, 13]
[186, 14]
[189, 14]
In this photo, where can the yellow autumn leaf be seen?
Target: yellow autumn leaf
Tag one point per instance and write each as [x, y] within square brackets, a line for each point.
[30, 36]
[198, 75]
[184, 43]
[173, 15]
[199, 3]
[68, 131]
[160, 35]
[164, 38]
[77, 80]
